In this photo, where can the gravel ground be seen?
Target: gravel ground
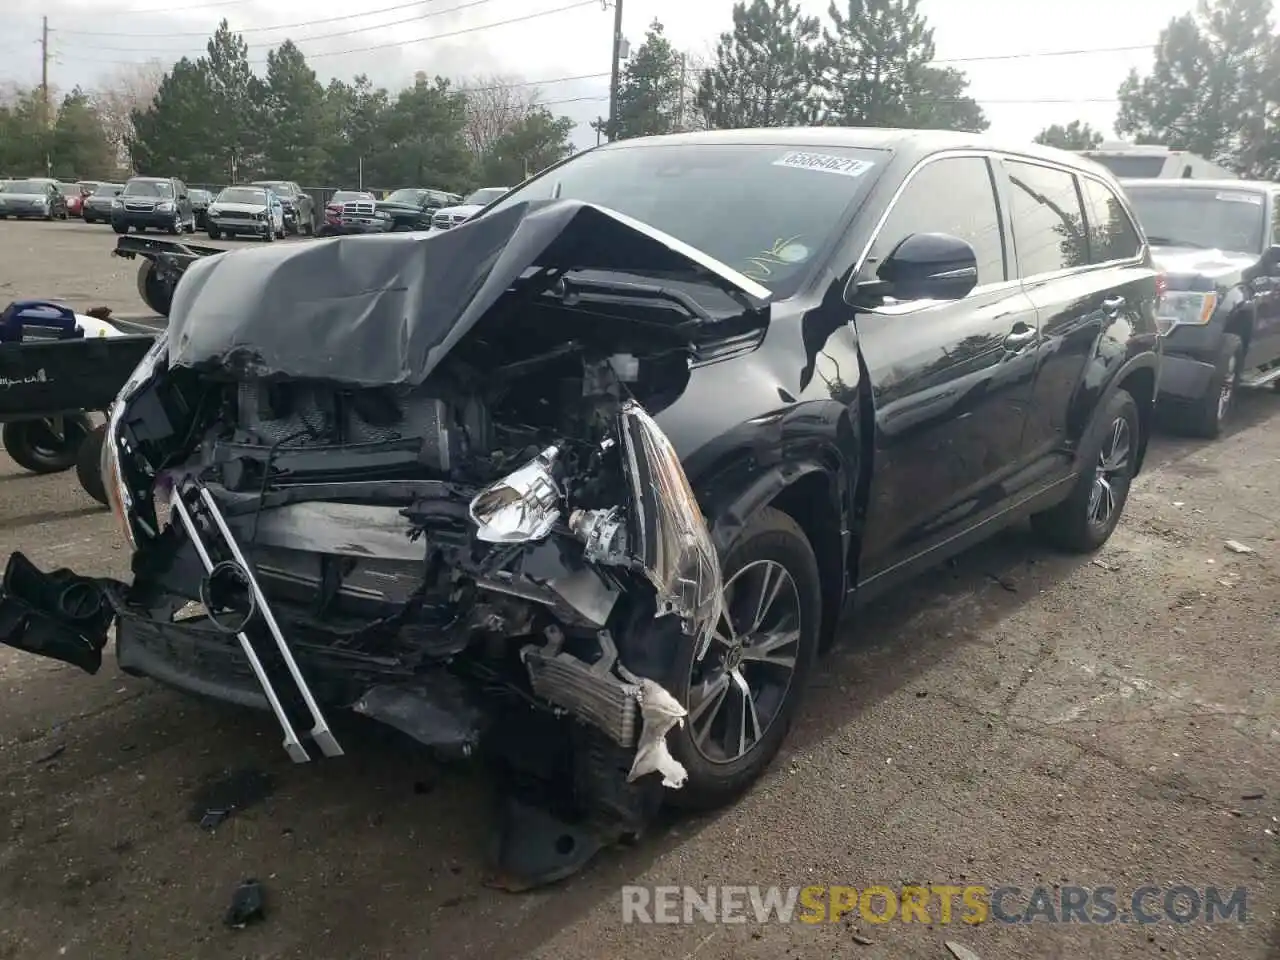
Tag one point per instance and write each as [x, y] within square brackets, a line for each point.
[1017, 717]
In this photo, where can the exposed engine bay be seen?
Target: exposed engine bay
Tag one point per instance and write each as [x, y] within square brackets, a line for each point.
[441, 552]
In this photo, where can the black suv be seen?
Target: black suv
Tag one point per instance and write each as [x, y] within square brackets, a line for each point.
[1218, 245]
[160, 203]
[594, 448]
[299, 207]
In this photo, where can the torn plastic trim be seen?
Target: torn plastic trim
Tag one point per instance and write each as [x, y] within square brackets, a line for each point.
[631, 710]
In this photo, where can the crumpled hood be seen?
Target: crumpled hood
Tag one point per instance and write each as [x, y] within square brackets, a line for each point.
[1191, 262]
[386, 309]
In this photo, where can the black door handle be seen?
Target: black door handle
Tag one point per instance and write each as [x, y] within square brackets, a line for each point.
[1019, 337]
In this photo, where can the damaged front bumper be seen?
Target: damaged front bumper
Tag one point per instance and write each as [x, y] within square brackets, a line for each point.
[209, 612]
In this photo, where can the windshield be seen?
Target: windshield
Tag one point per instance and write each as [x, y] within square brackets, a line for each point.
[243, 195]
[195, 195]
[349, 196]
[407, 195]
[107, 189]
[68, 189]
[279, 186]
[486, 196]
[25, 186]
[1201, 217]
[763, 209]
[148, 188]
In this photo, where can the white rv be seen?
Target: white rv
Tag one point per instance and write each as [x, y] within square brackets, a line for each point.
[1131, 161]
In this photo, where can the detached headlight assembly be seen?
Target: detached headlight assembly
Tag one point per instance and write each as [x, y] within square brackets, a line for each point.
[113, 445]
[1185, 308]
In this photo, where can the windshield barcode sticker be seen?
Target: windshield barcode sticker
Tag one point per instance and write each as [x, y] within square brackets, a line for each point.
[825, 163]
[1253, 198]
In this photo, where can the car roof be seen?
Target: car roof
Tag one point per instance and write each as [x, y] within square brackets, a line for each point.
[1193, 182]
[153, 179]
[899, 140]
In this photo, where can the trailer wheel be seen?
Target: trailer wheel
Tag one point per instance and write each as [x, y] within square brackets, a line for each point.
[41, 447]
[89, 465]
[155, 293]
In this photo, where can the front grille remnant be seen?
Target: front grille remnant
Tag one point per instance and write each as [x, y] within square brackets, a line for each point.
[195, 507]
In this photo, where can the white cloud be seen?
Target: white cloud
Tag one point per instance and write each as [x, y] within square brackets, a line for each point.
[576, 42]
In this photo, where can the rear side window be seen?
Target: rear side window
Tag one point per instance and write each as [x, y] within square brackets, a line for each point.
[1048, 224]
[954, 195]
[1112, 235]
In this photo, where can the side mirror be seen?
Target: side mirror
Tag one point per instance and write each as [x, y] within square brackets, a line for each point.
[928, 266]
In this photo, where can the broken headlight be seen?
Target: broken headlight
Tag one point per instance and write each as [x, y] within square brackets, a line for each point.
[522, 506]
[112, 477]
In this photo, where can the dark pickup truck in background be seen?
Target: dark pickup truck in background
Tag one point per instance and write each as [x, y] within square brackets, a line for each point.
[1217, 245]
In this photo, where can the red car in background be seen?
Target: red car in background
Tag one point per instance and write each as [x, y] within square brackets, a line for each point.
[76, 194]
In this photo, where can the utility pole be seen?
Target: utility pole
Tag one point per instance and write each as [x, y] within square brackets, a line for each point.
[684, 63]
[44, 72]
[613, 77]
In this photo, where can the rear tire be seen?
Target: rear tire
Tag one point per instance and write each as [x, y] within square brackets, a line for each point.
[1210, 413]
[89, 465]
[1086, 519]
[771, 545]
[34, 446]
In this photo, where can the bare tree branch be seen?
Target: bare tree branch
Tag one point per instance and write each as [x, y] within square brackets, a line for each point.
[131, 87]
[495, 105]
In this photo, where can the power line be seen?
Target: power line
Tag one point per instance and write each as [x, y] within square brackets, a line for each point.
[271, 44]
[378, 46]
[283, 26]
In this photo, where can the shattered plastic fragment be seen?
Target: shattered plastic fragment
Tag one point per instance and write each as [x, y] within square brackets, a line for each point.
[522, 506]
[659, 711]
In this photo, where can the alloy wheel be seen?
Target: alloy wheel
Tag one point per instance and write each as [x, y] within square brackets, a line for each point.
[738, 689]
[1228, 390]
[1111, 474]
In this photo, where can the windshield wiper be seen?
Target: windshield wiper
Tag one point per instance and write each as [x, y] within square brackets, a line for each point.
[1175, 242]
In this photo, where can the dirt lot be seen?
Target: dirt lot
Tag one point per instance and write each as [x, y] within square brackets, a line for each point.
[1016, 718]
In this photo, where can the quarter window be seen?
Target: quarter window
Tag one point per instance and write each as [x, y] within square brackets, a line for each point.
[1048, 224]
[954, 195]
[1112, 235]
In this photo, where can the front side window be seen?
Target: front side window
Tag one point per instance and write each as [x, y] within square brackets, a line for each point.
[1048, 223]
[954, 195]
[765, 210]
[1207, 218]
[1112, 235]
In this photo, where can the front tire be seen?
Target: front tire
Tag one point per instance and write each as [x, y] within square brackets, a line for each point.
[120, 228]
[214, 233]
[38, 446]
[1086, 519]
[744, 693]
[1210, 413]
[89, 465]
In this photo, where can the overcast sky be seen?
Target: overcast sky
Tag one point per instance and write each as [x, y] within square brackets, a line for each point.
[994, 41]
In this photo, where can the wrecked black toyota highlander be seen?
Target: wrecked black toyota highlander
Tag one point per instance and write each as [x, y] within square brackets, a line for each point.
[587, 480]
